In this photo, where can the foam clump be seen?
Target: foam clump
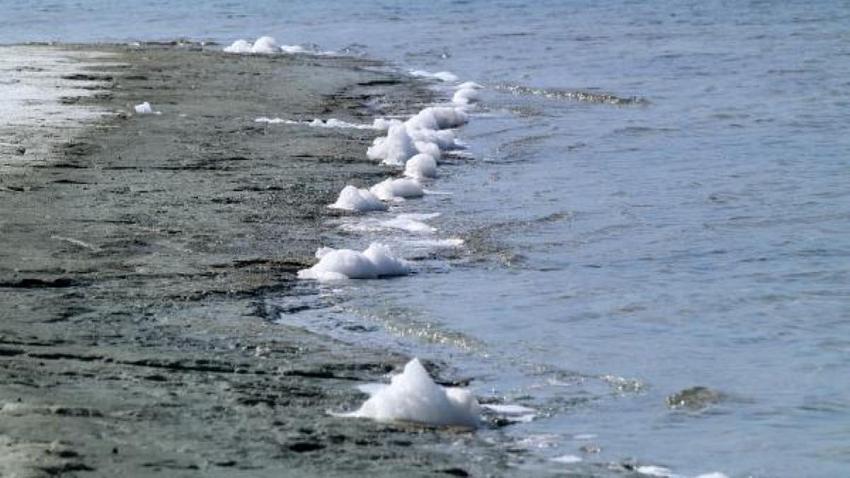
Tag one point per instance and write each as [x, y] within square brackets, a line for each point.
[264, 44]
[395, 189]
[421, 166]
[239, 46]
[422, 133]
[355, 199]
[339, 264]
[467, 93]
[440, 75]
[438, 117]
[143, 109]
[394, 148]
[412, 396]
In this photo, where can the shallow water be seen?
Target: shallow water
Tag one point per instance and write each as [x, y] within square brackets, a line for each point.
[659, 200]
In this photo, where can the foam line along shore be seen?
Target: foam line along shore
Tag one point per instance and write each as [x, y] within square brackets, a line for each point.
[136, 257]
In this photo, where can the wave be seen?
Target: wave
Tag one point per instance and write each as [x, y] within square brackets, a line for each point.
[573, 95]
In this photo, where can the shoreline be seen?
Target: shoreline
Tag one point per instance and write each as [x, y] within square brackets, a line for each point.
[136, 255]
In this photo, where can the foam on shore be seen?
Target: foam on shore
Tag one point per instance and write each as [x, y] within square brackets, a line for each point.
[395, 189]
[339, 264]
[262, 45]
[467, 93]
[394, 148]
[421, 166]
[378, 124]
[355, 199]
[412, 396]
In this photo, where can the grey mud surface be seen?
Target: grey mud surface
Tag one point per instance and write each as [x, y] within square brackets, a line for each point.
[134, 261]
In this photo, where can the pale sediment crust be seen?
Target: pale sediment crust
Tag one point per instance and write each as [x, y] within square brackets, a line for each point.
[136, 256]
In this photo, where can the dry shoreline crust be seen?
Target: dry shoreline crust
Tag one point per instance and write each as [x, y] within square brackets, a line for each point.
[134, 262]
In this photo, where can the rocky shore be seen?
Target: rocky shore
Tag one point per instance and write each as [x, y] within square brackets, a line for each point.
[135, 256]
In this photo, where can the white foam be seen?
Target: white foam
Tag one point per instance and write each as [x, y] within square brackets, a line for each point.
[239, 46]
[431, 149]
[421, 166]
[264, 119]
[414, 397]
[143, 109]
[568, 459]
[292, 49]
[394, 148]
[395, 189]
[437, 243]
[335, 123]
[654, 470]
[440, 75]
[663, 472]
[411, 223]
[337, 264]
[264, 45]
[444, 139]
[438, 117]
[467, 93]
[355, 199]
[319, 123]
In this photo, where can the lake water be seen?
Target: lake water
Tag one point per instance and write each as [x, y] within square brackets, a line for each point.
[696, 233]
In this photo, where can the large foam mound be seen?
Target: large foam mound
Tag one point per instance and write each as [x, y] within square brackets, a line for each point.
[393, 189]
[412, 396]
[336, 264]
[239, 46]
[438, 117]
[359, 200]
[421, 166]
[264, 44]
[395, 147]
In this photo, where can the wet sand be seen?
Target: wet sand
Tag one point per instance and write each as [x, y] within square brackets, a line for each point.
[135, 257]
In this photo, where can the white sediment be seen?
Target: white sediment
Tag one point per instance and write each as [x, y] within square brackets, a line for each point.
[412, 396]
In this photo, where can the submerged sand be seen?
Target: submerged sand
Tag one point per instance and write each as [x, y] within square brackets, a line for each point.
[136, 254]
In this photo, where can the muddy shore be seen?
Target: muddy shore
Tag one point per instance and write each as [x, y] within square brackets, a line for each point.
[135, 255]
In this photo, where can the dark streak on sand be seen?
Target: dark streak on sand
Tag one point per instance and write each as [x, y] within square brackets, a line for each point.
[134, 264]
